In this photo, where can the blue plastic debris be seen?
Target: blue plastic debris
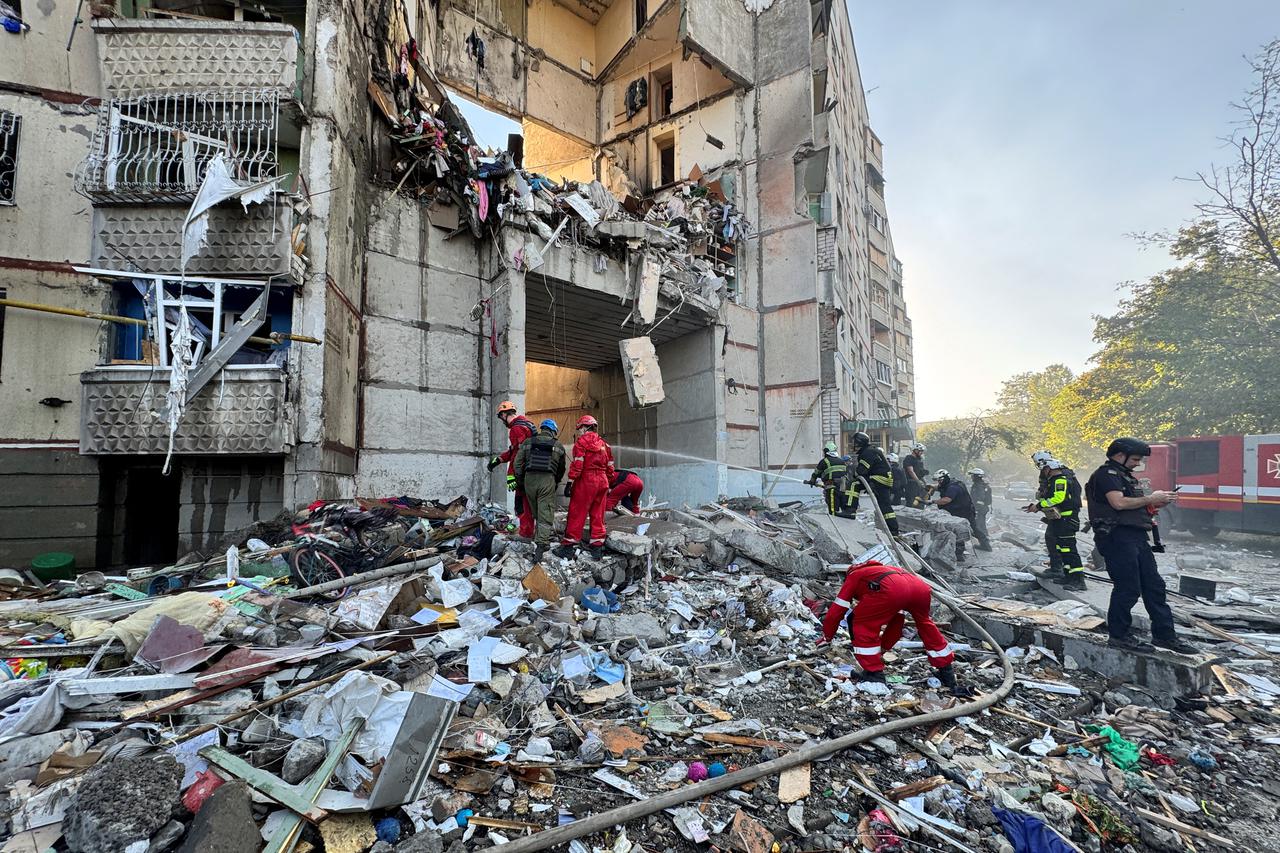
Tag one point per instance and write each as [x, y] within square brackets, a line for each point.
[388, 830]
[599, 600]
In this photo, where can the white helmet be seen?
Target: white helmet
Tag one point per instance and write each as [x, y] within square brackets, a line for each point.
[892, 457]
[918, 446]
[977, 472]
[1053, 465]
[942, 474]
[1040, 457]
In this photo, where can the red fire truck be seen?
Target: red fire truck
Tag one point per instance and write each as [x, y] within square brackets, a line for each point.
[1225, 482]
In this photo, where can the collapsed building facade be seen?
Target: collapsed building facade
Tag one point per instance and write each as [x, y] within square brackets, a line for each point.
[689, 241]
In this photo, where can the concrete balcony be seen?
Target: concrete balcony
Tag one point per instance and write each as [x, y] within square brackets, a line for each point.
[240, 412]
[253, 243]
[880, 315]
[150, 56]
[881, 352]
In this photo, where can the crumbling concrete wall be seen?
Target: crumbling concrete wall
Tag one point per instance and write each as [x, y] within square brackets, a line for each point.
[334, 153]
[425, 422]
[48, 502]
[721, 31]
[220, 497]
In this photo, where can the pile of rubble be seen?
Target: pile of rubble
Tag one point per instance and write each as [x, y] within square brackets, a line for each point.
[399, 675]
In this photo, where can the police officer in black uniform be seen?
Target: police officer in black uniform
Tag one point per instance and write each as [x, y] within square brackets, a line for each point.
[955, 499]
[1121, 523]
[872, 466]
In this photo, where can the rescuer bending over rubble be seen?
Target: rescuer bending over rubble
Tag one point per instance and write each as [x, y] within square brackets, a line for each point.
[882, 592]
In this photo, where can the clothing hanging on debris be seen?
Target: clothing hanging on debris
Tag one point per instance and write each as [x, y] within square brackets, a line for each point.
[475, 48]
[637, 97]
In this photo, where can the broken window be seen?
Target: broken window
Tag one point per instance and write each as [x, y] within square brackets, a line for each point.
[213, 307]
[663, 93]
[884, 373]
[881, 297]
[877, 221]
[10, 124]
[156, 147]
[666, 159]
[642, 14]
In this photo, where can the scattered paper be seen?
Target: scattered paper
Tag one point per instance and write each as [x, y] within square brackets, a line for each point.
[480, 660]
[446, 689]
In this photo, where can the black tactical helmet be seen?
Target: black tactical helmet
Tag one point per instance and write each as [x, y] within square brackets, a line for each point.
[1129, 447]
[861, 440]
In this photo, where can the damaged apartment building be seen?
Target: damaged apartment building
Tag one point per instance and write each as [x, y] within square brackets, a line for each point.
[251, 256]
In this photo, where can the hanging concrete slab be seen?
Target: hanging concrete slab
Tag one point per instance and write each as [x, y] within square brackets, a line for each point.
[643, 375]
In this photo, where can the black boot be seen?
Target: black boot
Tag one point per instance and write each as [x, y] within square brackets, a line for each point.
[877, 676]
[564, 552]
[1130, 643]
[1075, 582]
[539, 553]
[595, 552]
[947, 675]
[1174, 644]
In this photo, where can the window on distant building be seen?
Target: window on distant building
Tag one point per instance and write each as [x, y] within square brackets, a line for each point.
[877, 221]
[10, 124]
[884, 374]
[902, 365]
[642, 14]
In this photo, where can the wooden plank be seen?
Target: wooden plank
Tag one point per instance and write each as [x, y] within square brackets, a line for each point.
[793, 784]
[1185, 828]
[291, 827]
[267, 784]
[742, 740]
[127, 684]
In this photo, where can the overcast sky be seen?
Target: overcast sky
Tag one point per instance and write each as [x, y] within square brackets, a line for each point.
[1023, 141]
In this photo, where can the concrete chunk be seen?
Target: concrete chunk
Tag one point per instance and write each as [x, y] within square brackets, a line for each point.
[773, 553]
[642, 373]
[622, 626]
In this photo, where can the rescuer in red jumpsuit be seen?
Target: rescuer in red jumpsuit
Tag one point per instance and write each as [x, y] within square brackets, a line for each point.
[519, 428]
[625, 488]
[590, 474]
[882, 594]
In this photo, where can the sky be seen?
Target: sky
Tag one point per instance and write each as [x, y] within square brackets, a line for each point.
[1023, 142]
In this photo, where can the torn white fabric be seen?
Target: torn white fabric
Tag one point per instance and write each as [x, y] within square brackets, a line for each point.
[182, 358]
[217, 187]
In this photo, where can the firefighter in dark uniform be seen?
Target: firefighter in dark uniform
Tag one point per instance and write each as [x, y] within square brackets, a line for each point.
[955, 499]
[899, 479]
[1039, 458]
[872, 466]
[1061, 509]
[834, 474]
[980, 491]
[1118, 513]
[913, 467]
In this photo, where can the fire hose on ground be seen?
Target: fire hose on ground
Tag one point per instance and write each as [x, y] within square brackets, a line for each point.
[805, 755]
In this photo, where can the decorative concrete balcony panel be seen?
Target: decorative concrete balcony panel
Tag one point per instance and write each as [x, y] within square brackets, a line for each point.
[150, 236]
[240, 412]
[139, 56]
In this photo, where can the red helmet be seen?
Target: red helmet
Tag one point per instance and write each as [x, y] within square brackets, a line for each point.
[587, 421]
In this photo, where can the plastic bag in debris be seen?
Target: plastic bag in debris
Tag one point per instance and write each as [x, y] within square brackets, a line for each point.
[1123, 752]
[357, 695]
[599, 600]
[591, 750]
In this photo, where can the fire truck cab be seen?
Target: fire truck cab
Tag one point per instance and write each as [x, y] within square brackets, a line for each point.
[1227, 482]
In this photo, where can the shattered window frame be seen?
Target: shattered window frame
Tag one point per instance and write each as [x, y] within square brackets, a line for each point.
[10, 134]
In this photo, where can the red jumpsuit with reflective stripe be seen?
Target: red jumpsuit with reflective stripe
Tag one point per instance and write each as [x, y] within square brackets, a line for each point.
[518, 430]
[591, 471]
[627, 492]
[878, 615]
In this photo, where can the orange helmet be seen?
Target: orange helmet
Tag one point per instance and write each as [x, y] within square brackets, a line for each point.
[506, 406]
[587, 421]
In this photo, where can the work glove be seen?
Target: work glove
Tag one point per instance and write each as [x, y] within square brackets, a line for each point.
[494, 462]
[568, 489]
[811, 482]
[511, 482]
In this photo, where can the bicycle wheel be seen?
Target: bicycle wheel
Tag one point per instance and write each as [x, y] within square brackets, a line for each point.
[312, 566]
